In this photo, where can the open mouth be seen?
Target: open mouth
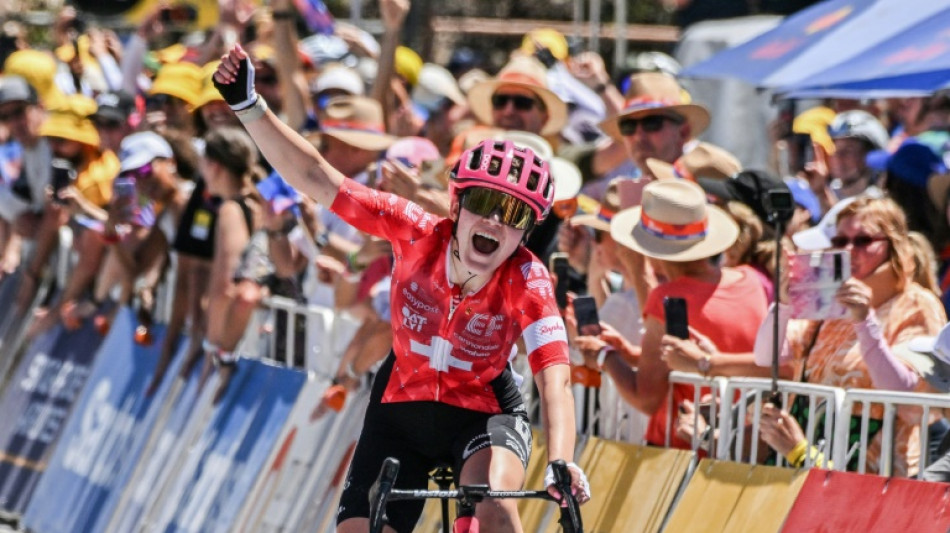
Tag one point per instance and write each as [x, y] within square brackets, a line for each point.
[484, 244]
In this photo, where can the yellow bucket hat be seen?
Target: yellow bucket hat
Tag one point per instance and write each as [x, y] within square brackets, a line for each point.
[815, 122]
[181, 80]
[209, 93]
[39, 70]
[69, 119]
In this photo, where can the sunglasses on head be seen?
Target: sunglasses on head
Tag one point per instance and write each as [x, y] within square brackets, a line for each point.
[858, 241]
[511, 211]
[521, 102]
[14, 113]
[650, 124]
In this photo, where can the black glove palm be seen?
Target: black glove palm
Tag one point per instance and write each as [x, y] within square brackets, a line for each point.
[239, 94]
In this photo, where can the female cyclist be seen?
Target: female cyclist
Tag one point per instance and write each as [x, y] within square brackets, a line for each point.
[464, 289]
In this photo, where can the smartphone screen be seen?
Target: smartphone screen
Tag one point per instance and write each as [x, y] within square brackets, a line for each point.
[677, 323]
[585, 310]
[559, 267]
[62, 176]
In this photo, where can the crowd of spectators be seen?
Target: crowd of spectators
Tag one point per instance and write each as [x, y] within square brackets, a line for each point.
[123, 139]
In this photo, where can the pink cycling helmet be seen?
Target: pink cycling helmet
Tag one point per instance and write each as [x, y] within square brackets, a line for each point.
[505, 167]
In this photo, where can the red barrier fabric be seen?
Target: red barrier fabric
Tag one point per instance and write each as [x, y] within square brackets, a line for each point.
[844, 502]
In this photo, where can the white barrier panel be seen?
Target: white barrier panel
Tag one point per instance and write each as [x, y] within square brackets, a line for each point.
[915, 405]
[740, 394]
[698, 382]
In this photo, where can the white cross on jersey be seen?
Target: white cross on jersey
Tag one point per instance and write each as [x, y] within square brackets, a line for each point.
[439, 352]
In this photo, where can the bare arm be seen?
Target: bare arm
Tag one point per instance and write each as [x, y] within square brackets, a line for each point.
[557, 410]
[291, 155]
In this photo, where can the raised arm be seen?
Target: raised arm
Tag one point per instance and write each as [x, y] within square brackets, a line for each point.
[290, 154]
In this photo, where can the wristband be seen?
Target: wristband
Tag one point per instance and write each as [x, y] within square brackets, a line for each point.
[796, 456]
[253, 112]
[600, 88]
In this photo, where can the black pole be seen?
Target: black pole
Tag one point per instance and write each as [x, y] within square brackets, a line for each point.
[774, 396]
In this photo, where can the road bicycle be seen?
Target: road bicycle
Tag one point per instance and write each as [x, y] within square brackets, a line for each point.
[468, 496]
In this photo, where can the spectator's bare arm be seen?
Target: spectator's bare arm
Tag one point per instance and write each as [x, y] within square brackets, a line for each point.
[393, 14]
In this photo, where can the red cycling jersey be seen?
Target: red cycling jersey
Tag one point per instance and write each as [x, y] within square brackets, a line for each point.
[449, 353]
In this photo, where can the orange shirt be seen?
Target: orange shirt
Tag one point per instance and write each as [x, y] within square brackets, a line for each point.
[835, 360]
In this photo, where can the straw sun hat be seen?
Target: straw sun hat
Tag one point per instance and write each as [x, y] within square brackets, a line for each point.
[655, 93]
[527, 73]
[674, 223]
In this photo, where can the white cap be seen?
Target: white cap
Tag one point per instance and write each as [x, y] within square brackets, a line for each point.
[341, 78]
[434, 84]
[141, 148]
[538, 144]
[567, 178]
[930, 357]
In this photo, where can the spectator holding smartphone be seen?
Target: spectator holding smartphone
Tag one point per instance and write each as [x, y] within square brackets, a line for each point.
[681, 235]
[886, 307]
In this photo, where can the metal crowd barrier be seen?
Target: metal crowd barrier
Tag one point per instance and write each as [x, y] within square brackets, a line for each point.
[891, 402]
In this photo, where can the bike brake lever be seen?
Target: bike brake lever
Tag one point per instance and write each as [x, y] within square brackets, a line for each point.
[379, 494]
[570, 514]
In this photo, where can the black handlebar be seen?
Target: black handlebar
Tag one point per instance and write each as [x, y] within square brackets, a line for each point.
[379, 494]
[570, 510]
[382, 492]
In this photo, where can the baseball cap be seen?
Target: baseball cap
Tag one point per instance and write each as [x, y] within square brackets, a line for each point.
[142, 148]
[16, 89]
[338, 77]
[435, 84]
[858, 124]
[116, 106]
[930, 357]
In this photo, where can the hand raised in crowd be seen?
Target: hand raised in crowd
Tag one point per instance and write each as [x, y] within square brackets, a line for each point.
[238, 13]
[816, 171]
[856, 296]
[779, 430]
[589, 68]
[393, 13]
[329, 269]
[400, 179]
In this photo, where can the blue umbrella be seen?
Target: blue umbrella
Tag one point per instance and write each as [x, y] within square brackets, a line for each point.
[814, 40]
[914, 62]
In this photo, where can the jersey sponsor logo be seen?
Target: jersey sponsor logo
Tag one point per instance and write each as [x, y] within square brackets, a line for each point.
[412, 320]
[537, 278]
[418, 304]
[544, 331]
[483, 324]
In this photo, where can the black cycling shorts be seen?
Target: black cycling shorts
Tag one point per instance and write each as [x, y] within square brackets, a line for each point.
[423, 436]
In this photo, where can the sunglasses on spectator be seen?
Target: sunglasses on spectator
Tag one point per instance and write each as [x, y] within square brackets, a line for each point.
[521, 102]
[650, 124]
[15, 113]
[858, 241]
[512, 212]
[141, 173]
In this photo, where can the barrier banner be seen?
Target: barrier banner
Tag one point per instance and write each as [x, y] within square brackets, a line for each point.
[211, 489]
[36, 405]
[104, 437]
[184, 403]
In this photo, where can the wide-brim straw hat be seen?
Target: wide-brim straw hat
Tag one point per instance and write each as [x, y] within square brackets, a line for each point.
[655, 93]
[181, 80]
[356, 121]
[674, 223]
[525, 72]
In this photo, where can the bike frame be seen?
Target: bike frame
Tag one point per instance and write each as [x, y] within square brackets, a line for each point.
[382, 492]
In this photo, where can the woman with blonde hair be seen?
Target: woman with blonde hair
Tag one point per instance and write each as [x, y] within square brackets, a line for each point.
[886, 306]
